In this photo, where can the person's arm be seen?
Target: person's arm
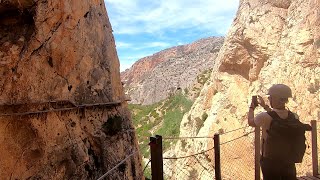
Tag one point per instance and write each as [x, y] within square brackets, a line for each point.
[251, 117]
[251, 114]
[263, 104]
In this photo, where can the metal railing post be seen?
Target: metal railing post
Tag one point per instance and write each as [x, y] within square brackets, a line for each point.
[257, 153]
[156, 157]
[314, 148]
[217, 163]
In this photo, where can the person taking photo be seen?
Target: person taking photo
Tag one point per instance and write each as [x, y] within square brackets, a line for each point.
[283, 139]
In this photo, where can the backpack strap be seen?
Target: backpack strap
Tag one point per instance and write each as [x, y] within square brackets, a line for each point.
[273, 114]
[292, 116]
[262, 151]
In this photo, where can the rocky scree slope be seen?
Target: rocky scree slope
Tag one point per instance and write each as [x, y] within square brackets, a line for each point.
[269, 42]
[154, 78]
[60, 54]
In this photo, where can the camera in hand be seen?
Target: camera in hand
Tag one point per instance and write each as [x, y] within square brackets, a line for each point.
[255, 100]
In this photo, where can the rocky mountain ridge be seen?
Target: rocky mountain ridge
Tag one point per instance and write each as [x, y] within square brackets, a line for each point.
[154, 78]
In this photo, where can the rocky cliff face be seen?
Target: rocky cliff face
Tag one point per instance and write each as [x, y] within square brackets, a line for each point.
[269, 42]
[63, 114]
[154, 78]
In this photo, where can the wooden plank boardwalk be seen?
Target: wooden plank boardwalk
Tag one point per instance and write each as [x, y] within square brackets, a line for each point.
[308, 178]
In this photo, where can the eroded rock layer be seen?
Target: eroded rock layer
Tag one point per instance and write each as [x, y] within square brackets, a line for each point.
[154, 78]
[63, 114]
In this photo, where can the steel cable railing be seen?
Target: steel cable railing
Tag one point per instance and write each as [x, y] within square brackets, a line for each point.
[198, 165]
[237, 157]
[192, 155]
[109, 172]
[51, 109]
[116, 166]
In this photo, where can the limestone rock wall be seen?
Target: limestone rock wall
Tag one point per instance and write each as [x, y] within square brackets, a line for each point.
[67, 50]
[57, 54]
[269, 42]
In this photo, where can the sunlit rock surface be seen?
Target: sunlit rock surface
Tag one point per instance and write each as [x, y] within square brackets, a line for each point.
[269, 42]
[57, 54]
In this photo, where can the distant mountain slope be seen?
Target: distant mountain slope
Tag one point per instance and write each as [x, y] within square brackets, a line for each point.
[154, 78]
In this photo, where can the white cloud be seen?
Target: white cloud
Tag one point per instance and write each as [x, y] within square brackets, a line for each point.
[122, 5]
[123, 44]
[148, 16]
[160, 45]
[139, 46]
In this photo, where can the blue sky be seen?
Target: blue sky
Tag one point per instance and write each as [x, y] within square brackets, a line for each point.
[144, 27]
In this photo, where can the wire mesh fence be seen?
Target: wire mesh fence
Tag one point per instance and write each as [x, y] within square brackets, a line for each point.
[237, 155]
[197, 158]
[191, 164]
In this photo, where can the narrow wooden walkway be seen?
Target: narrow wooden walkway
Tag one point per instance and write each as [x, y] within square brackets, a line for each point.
[308, 178]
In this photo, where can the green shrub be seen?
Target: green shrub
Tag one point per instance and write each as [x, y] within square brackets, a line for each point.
[154, 114]
[204, 76]
[200, 121]
[186, 91]
[183, 144]
[204, 116]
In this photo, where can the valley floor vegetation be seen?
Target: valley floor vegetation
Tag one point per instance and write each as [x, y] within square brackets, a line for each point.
[162, 118]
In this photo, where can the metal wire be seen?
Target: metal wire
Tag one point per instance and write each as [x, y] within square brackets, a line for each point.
[64, 109]
[194, 166]
[182, 157]
[208, 149]
[194, 137]
[203, 137]
[237, 138]
[235, 154]
[234, 130]
[121, 162]
[146, 165]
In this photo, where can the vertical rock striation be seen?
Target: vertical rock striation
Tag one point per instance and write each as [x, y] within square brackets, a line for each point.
[58, 58]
